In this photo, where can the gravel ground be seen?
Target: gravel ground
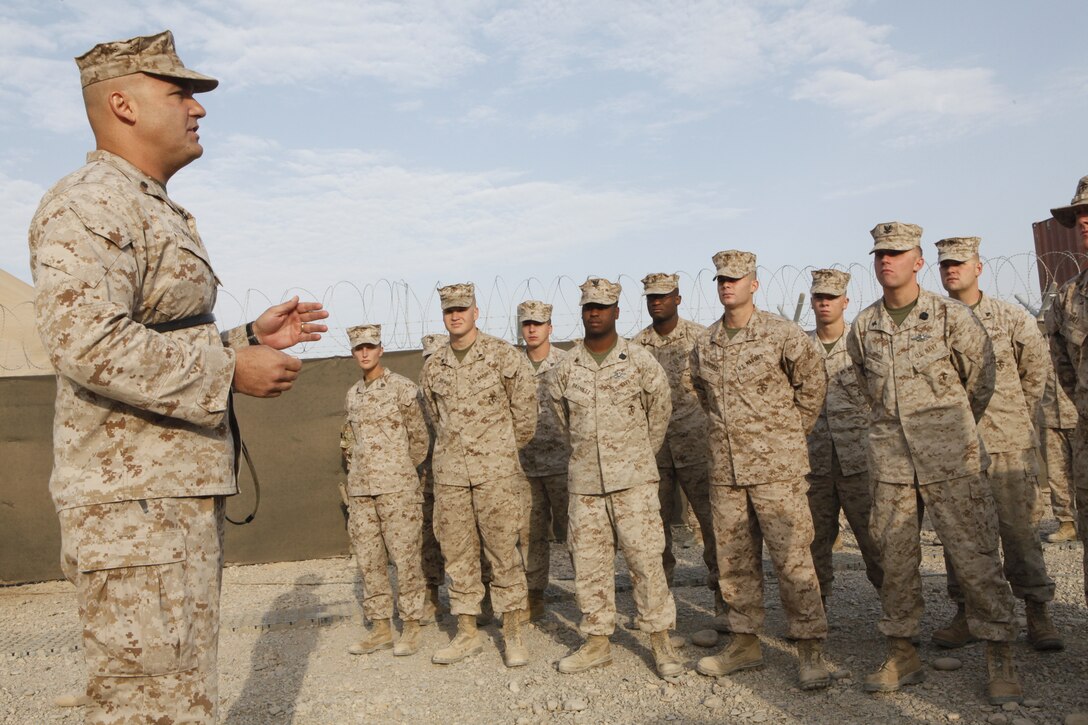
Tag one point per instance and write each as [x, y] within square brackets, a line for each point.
[286, 628]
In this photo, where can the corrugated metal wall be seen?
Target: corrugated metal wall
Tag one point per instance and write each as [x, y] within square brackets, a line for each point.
[1059, 253]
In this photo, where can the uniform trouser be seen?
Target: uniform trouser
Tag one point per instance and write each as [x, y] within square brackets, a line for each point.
[1080, 480]
[630, 517]
[827, 495]
[963, 514]
[547, 512]
[746, 517]
[431, 553]
[1057, 444]
[695, 483]
[389, 528]
[147, 577]
[1013, 482]
[488, 516]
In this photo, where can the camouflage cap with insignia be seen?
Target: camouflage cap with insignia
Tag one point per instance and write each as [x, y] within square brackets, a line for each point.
[829, 282]
[734, 264]
[433, 343]
[151, 54]
[659, 283]
[598, 291]
[534, 311]
[457, 295]
[365, 335]
[896, 237]
[1067, 215]
[958, 249]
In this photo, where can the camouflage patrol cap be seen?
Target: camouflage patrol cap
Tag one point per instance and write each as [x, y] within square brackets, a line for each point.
[958, 249]
[152, 54]
[734, 264]
[457, 295]
[659, 283]
[896, 237]
[1067, 215]
[365, 335]
[433, 343]
[534, 311]
[598, 291]
[829, 282]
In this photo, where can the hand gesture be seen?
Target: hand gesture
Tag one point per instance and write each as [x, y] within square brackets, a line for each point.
[289, 323]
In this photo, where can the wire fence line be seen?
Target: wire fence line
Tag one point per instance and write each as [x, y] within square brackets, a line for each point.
[407, 313]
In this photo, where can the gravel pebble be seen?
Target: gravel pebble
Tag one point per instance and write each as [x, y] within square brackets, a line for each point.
[1010, 707]
[713, 702]
[575, 704]
[705, 638]
[947, 664]
[1076, 718]
[998, 718]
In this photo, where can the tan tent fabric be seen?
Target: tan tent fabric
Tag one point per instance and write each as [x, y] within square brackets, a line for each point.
[21, 351]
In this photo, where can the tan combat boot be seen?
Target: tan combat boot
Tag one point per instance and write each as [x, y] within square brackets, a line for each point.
[379, 637]
[743, 653]
[536, 605]
[955, 634]
[667, 660]
[1066, 532]
[409, 640]
[812, 670]
[721, 613]
[515, 653]
[1003, 684]
[1042, 634]
[464, 644]
[596, 651]
[902, 667]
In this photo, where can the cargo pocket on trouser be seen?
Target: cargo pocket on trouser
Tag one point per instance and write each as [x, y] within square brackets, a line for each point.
[136, 607]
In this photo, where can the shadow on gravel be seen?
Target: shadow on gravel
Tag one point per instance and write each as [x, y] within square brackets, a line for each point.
[280, 659]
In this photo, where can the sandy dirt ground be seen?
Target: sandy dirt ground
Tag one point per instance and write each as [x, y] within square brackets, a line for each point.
[287, 626]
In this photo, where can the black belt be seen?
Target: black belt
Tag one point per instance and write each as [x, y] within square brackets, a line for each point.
[207, 318]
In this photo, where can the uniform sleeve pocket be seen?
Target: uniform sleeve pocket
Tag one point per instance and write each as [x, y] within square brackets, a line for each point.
[137, 607]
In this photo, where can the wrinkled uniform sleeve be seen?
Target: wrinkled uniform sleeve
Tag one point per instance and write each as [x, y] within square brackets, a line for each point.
[87, 285]
[657, 401]
[857, 360]
[696, 378]
[972, 357]
[520, 384]
[805, 370]
[1065, 368]
[1032, 360]
[430, 410]
[419, 438]
[557, 383]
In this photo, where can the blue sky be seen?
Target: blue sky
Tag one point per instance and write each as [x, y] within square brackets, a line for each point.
[367, 151]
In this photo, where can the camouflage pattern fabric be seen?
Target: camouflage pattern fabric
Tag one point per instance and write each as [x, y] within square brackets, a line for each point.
[384, 436]
[484, 410]
[1056, 409]
[694, 481]
[775, 514]
[1056, 422]
[393, 523]
[681, 460]
[434, 570]
[963, 514]
[1080, 490]
[487, 517]
[147, 576]
[140, 416]
[762, 391]
[548, 502]
[1014, 484]
[548, 453]
[928, 382]
[630, 518]
[616, 415]
[827, 495]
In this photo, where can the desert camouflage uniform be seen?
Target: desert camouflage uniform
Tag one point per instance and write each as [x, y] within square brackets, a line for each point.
[928, 381]
[616, 414]
[682, 459]
[544, 461]
[484, 410]
[142, 449]
[762, 391]
[1057, 423]
[384, 438]
[839, 475]
[1008, 433]
[1067, 328]
[434, 570]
